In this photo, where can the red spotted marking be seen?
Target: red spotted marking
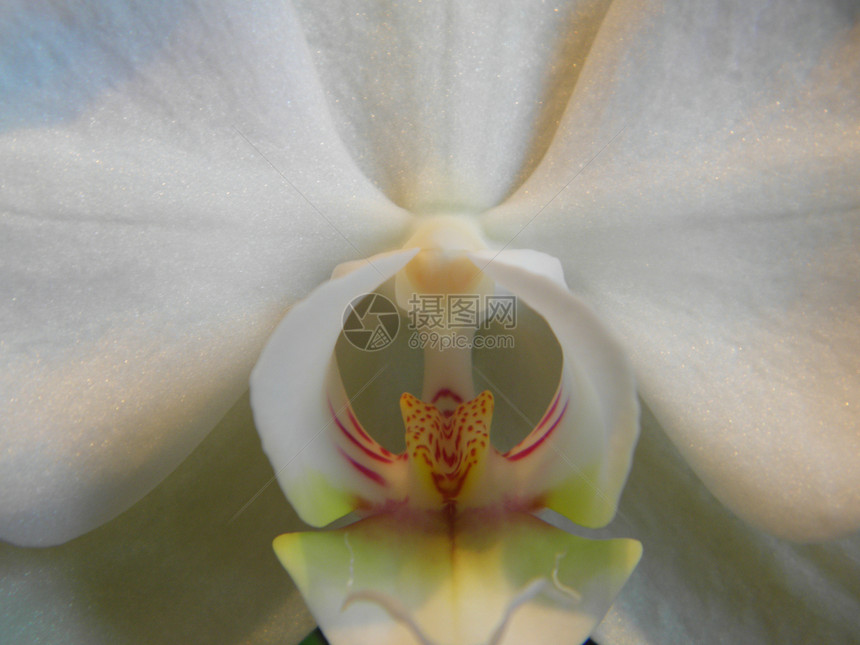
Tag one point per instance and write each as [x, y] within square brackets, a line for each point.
[447, 447]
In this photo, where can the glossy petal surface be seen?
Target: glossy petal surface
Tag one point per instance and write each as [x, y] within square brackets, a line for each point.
[449, 105]
[147, 248]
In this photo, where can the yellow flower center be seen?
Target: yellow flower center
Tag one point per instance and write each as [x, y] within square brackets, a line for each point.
[447, 449]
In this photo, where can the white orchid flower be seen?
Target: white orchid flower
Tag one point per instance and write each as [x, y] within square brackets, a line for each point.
[174, 176]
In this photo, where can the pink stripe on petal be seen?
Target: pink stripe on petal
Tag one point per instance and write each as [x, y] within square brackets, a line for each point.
[550, 412]
[364, 470]
[370, 453]
[525, 452]
[363, 434]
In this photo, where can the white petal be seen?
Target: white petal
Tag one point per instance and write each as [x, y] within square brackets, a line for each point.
[718, 236]
[184, 563]
[448, 106]
[147, 248]
[707, 577]
[499, 580]
[326, 463]
[745, 339]
[578, 456]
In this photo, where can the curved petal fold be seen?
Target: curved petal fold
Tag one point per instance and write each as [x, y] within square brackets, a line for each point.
[576, 459]
[504, 580]
[326, 463]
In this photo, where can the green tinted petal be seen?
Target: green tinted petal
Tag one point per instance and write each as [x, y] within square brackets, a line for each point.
[504, 579]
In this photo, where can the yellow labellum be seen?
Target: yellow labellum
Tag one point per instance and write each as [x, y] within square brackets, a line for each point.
[447, 450]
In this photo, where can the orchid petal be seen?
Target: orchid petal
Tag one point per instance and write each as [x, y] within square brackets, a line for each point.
[191, 562]
[707, 576]
[577, 457]
[147, 248]
[500, 580]
[448, 106]
[756, 385]
[717, 236]
[326, 463]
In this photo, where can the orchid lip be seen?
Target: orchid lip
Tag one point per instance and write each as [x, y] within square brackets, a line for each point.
[450, 495]
[447, 450]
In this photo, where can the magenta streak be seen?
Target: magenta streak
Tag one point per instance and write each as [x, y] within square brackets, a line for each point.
[449, 393]
[370, 453]
[549, 412]
[527, 451]
[359, 429]
[547, 417]
[364, 470]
